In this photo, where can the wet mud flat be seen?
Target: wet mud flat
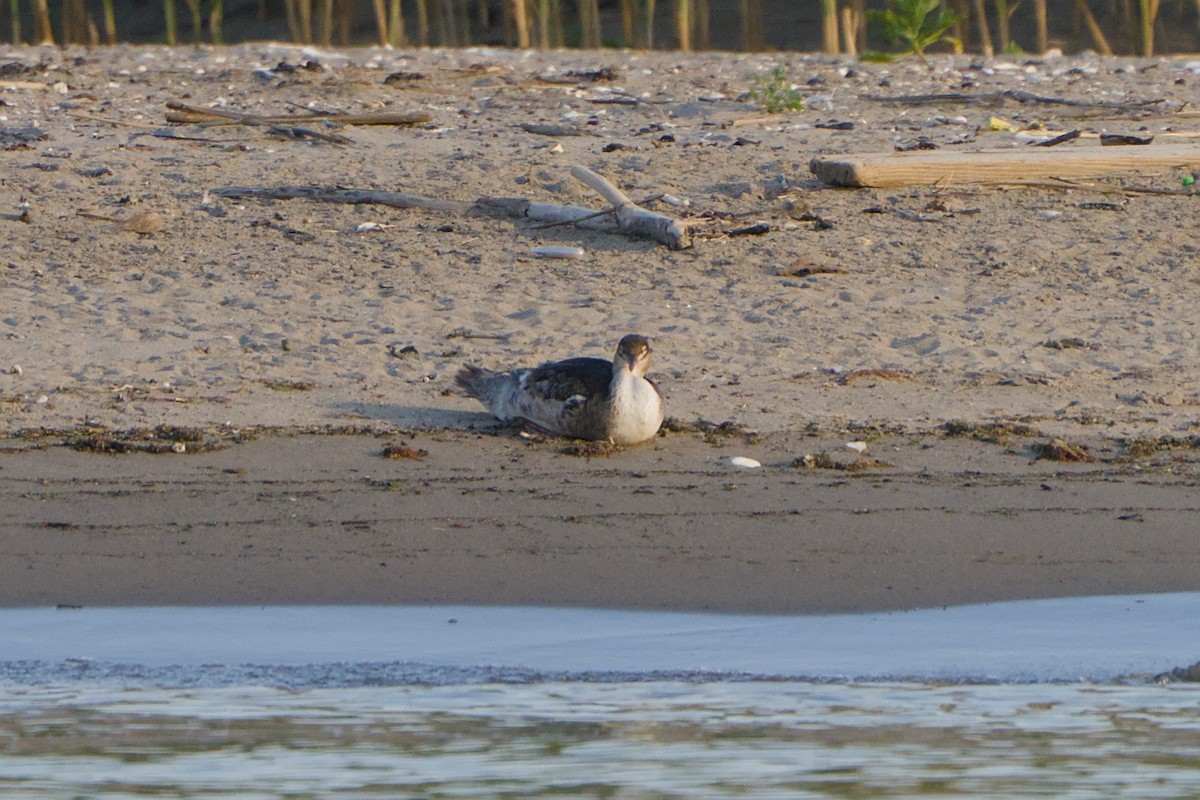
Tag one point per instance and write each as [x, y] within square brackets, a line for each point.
[479, 518]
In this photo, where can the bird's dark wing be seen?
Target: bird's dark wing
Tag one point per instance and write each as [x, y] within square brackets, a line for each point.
[589, 378]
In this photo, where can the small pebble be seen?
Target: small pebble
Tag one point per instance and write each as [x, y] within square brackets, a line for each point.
[15, 369]
[43, 400]
[178, 447]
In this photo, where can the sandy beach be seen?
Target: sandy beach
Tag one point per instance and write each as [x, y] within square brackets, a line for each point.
[196, 389]
[325, 519]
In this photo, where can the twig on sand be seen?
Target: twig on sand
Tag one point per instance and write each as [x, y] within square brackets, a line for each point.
[467, 333]
[1057, 140]
[119, 122]
[297, 132]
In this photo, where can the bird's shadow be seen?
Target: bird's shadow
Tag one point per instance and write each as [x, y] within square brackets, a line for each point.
[421, 417]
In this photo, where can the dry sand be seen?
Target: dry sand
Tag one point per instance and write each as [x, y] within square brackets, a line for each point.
[1018, 314]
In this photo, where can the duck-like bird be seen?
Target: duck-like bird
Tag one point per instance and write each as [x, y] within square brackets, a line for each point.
[583, 398]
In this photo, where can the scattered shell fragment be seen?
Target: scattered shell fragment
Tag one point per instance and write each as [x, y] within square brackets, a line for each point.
[43, 400]
[857, 447]
[15, 369]
[558, 251]
[556, 148]
[178, 447]
[745, 463]
[368, 226]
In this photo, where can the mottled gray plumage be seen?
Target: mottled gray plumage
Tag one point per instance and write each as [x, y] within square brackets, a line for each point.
[583, 398]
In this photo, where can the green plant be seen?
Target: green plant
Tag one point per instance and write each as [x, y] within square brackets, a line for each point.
[910, 22]
[776, 93]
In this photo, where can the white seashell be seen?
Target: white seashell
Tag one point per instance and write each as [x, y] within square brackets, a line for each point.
[558, 251]
[746, 463]
[15, 369]
[1049, 214]
[368, 226]
[43, 400]
[857, 447]
[179, 447]
[556, 148]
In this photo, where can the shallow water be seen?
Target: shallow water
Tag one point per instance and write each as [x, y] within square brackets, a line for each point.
[471, 702]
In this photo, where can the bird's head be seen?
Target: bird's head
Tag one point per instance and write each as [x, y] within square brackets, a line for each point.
[633, 353]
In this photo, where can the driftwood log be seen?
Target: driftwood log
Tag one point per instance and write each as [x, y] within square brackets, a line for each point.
[929, 167]
[625, 216]
[634, 220]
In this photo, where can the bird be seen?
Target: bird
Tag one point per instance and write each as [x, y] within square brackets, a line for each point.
[579, 398]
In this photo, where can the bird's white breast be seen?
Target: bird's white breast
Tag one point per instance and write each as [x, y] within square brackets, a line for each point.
[637, 410]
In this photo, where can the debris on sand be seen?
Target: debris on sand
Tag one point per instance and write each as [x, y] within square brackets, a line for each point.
[402, 450]
[1061, 450]
[823, 460]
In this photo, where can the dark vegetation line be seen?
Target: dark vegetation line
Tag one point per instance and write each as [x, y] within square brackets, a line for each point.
[864, 28]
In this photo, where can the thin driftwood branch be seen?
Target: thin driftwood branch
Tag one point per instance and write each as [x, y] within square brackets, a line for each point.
[645, 224]
[351, 196]
[182, 113]
[1017, 95]
[632, 218]
[549, 214]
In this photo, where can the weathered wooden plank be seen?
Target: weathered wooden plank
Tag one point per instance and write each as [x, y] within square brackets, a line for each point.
[927, 167]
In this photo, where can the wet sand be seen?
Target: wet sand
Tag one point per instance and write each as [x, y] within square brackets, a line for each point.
[486, 519]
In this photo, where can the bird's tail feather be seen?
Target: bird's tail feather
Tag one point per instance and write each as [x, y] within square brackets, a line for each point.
[474, 381]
